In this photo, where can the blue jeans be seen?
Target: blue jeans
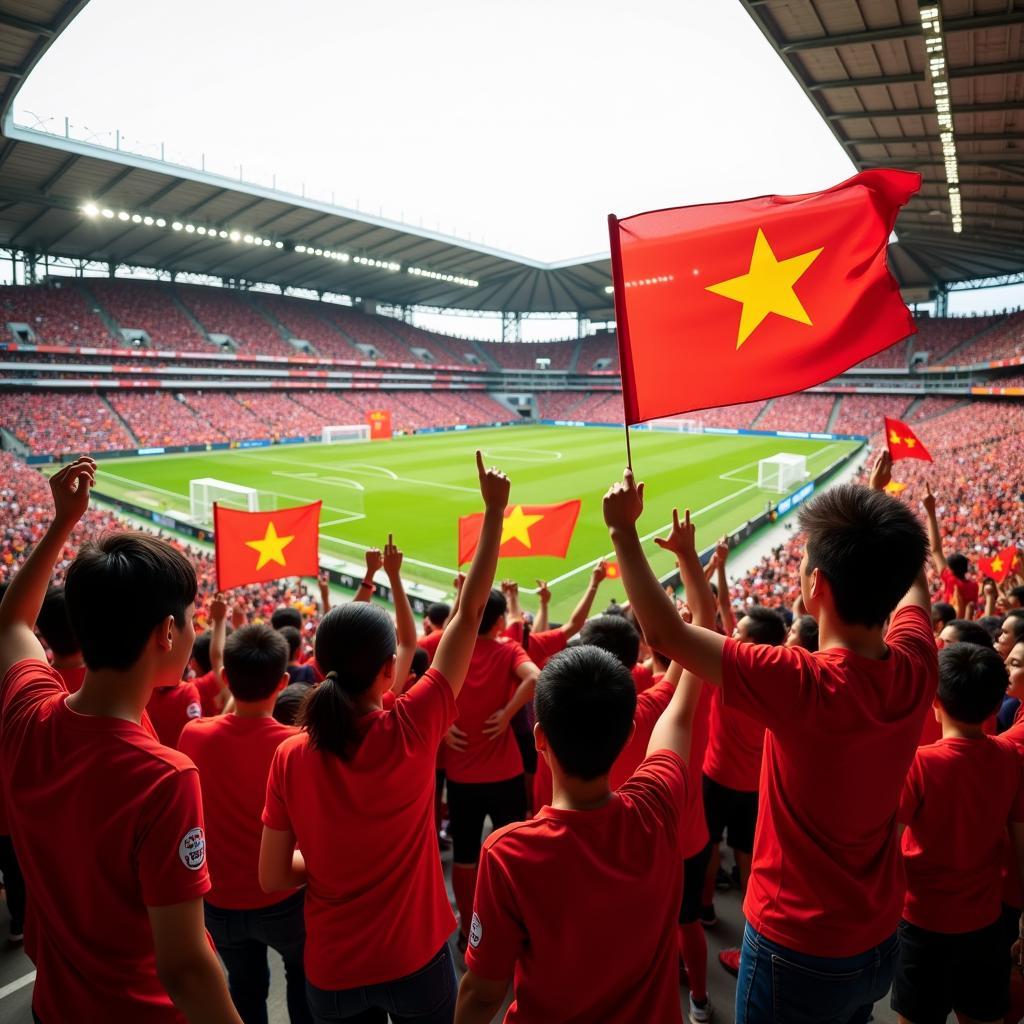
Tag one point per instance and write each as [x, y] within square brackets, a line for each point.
[426, 996]
[242, 938]
[777, 984]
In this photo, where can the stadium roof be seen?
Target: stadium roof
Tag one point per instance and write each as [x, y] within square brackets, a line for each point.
[862, 62]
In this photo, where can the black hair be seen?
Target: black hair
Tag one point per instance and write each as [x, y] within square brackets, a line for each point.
[992, 624]
[585, 702]
[54, 625]
[972, 682]
[1018, 593]
[437, 613]
[869, 546]
[765, 625]
[945, 613]
[968, 632]
[614, 634]
[289, 702]
[1013, 623]
[143, 577]
[201, 652]
[293, 638]
[255, 659]
[1013, 613]
[807, 632]
[420, 662]
[286, 616]
[353, 643]
[958, 565]
[494, 609]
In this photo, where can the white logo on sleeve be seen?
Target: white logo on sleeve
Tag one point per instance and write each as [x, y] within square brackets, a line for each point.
[476, 931]
[192, 849]
[194, 710]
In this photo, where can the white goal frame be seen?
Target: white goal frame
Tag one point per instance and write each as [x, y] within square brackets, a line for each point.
[677, 424]
[781, 472]
[204, 491]
[343, 432]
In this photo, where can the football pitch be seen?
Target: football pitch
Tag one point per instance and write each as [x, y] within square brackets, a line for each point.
[417, 487]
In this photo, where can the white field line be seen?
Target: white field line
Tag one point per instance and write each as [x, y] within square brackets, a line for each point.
[13, 986]
[355, 467]
[390, 474]
[350, 518]
[329, 478]
[501, 452]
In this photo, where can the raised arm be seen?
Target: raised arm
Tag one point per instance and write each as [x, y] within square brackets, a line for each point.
[511, 591]
[374, 563]
[581, 612]
[218, 635]
[20, 608]
[682, 542]
[724, 604]
[674, 729]
[405, 622]
[323, 581]
[459, 638]
[540, 620]
[698, 650]
[934, 534]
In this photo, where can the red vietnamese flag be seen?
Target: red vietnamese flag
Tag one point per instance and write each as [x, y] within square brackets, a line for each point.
[903, 442]
[528, 530]
[613, 570]
[380, 424]
[734, 302]
[253, 547]
[999, 566]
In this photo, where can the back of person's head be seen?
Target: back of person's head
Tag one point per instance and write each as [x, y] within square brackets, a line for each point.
[54, 625]
[942, 613]
[762, 625]
[255, 660]
[614, 634]
[804, 632]
[1017, 595]
[964, 631]
[992, 624]
[1011, 630]
[286, 616]
[119, 589]
[958, 565]
[494, 610]
[353, 643]
[289, 702]
[293, 638]
[437, 614]
[420, 663]
[972, 682]
[868, 546]
[585, 702]
[201, 652]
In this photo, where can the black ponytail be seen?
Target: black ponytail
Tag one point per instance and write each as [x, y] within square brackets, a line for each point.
[352, 645]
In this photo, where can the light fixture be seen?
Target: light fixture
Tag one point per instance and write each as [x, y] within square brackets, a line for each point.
[466, 282]
[190, 229]
[121, 215]
[177, 225]
[609, 288]
[136, 218]
[90, 209]
[160, 222]
[201, 229]
[107, 213]
[148, 221]
[938, 73]
[234, 236]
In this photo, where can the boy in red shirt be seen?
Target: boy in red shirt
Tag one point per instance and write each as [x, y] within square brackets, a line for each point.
[956, 588]
[54, 627]
[826, 886]
[208, 660]
[958, 799]
[233, 754]
[171, 708]
[123, 936]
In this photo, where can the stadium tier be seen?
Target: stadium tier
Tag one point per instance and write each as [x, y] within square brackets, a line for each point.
[149, 307]
[798, 412]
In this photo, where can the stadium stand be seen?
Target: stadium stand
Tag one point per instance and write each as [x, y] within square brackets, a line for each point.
[223, 311]
[64, 422]
[941, 337]
[227, 416]
[305, 319]
[1006, 341]
[524, 356]
[931, 406]
[361, 329]
[862, 414]
[892, 358]
[158, 418]
[150, 307]
[58, 314]
[742, 416]
[599, 347]
[798, 412]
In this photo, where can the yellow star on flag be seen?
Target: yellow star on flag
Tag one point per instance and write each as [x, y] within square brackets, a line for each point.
[516, 526]
[997, 564]
[910, 441]
[767, 287]
[271, 547]
[895, 438]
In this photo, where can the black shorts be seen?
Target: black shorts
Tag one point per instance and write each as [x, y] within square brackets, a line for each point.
[937, 973]
[694, 870]
[731, 811]
[469, 803]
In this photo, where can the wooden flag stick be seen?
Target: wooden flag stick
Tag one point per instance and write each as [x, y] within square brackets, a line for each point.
[629, 451]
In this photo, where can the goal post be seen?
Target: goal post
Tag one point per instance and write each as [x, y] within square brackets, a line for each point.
[781, 472]
[345, 432]
[677, 424]
[204, 491]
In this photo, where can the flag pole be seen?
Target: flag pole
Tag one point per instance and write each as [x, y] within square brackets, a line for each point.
[629, 451]
[621, 328]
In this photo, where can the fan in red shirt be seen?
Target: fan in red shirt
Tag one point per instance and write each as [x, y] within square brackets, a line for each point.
[122, 935]
[233, 753]
[957, 589]
[171, 708]
[208, 660]
[826, 888]
[960, 796]
[54, 627]
[349, 808]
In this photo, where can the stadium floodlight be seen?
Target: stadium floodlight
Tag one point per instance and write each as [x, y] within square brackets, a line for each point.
[235, 236]
[190, 229]
[466, 282]
[121, 215]
[160, 222]
[201, 229]
[136, 218]
[91, 210]
[247, 239]
[938, 73]
[177, 225]
[609, 288]
[279, 245]
[222, 234]
[148, 221]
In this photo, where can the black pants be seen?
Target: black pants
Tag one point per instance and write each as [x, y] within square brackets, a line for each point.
[14, 884]
[242, 938]
[469, 803]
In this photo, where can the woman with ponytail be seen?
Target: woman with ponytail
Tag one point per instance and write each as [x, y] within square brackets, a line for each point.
[350, 804]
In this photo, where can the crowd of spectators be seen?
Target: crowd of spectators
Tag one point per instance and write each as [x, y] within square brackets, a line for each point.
[862, 414]
[63, 422]
[598, 347]
[798, 412]
[895, 357]
[223, 311]
[524, 356]
[160, 419]
[149, 306]
[361, 329]
[1004, 342]
[741, 416]
[57, 312]
[930, 406]
[306, 319]
[940, 337]
[224, 414]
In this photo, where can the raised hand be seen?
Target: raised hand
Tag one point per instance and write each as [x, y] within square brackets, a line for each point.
[722, 553]
[624, 503]
[543, 594]
[494, 485]
[392, 558]
[459, 580]
[881, 471]
[374, 562]
[323, 579]
[510, 589]
[682, 541]
[218, 609]
[70, 488]
[929, 499]
[239, 616]
[599, 573]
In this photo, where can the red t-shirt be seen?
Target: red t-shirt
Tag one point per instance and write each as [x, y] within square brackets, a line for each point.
[73, 677]
[931, 732]
[951, 583]
[233, 755]
[643, 677]
[170, 708]
[429, 642]
[106, 787]
[209, 693]
[582, 906]
[735, 748]
[545, 645]
[490, 683]
[376, 907]
[514, 631]
[956, 802]
[1012, 894]
[827, 876]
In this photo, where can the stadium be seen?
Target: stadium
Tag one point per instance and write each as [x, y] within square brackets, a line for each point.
[209, 339]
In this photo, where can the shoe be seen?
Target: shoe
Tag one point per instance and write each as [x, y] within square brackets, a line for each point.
[708, 917]
[730, 960]
[700, 1014]
[723, 881]
[15, 940]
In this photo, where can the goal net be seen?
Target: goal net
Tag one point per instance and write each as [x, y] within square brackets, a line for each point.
[346, 432]
[680, 425]
[781, 472]
[203, 492]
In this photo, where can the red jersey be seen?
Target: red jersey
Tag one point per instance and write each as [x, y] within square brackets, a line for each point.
[73, 677]
[376, 906]
[545, 645]
[827, 876]
[429, 642]
[490, 683]
[643, 677]
[106, 786]
[233, 755]
[1012, 893]
[951, 584]
[957, 800]
[170, 708]
[735, 748]
[209, 693]
[582, 906]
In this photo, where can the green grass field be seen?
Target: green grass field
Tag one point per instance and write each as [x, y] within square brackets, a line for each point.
[417, 487]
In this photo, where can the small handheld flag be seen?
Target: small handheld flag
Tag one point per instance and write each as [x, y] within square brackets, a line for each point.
[999, 566]
[528, 531]
[254, 547]
[903, 442]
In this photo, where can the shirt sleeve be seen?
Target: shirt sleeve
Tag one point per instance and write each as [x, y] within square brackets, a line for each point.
[545, 645]
[660, 790]
[27, 684]
[497, 934]
[518, 656]
[428, 707]
[172, 848]
[515, 631]
[912, 794]
[275, 807]
[910, 632]
[770, 684]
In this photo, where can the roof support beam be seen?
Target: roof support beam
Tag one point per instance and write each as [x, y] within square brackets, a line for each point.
[1011, 67]
[113, 183]
[58, 174]
[36, 28]
[896, 140]
[958, 111]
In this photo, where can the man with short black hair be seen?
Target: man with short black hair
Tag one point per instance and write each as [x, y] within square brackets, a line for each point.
[942, 614]
[296, 673]
[54, 627]
[966, 631]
